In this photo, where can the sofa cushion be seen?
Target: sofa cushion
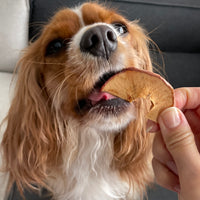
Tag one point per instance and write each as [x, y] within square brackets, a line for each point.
[14, 17]
[182, 69]
[6, 94]
[174, 25]
[5, 97]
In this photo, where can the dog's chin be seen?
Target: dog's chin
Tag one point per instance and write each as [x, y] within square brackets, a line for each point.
[110, 115]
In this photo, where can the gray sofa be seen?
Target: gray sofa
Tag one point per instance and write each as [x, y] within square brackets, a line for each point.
[174, 25]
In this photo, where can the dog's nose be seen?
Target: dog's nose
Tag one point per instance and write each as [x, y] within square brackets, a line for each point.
[99, 41]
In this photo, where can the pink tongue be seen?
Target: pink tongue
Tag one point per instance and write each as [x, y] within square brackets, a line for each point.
[95, 97]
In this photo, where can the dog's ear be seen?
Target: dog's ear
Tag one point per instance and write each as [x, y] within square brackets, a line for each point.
[28, 143]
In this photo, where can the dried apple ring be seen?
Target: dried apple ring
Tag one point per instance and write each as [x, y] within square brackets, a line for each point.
[133, 83]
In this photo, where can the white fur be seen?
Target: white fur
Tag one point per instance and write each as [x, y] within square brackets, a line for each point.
[77, 10]
[89, 176]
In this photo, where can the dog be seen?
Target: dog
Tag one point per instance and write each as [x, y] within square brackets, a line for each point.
[62, 132]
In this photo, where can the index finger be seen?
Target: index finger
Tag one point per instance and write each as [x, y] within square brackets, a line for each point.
[187, 97]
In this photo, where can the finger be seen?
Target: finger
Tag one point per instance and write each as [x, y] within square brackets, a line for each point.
[161, 153]
[164, 177]
[194, 120]
[179, 141]
[187, 98]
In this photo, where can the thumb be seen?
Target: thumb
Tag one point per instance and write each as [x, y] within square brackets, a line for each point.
[179, 140]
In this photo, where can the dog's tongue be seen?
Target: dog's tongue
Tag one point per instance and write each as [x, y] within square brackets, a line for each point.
[96, 97]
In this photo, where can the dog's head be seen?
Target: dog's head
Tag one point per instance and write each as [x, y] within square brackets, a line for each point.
[59, 80]
[78, 51]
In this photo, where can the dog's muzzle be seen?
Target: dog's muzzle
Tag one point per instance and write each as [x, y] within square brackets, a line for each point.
[99, 41]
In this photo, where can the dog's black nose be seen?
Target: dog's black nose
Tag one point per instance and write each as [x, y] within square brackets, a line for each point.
[99, 41]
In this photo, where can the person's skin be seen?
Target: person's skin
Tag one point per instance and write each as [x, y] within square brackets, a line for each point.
[176, 147]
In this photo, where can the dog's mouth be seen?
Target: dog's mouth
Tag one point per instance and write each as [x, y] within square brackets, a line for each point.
[102, 102]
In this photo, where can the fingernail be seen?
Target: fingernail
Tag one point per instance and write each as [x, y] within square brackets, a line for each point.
[170, 118]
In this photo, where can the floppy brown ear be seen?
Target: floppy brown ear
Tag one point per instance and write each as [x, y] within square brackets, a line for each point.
[28, 143]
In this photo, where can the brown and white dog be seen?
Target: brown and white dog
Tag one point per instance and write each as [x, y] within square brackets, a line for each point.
[62, 132]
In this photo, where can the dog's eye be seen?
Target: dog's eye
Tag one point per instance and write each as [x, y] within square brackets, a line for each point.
[54, 47]
[120, 28]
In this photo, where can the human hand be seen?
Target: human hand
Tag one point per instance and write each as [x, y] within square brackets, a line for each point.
[176, 159]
